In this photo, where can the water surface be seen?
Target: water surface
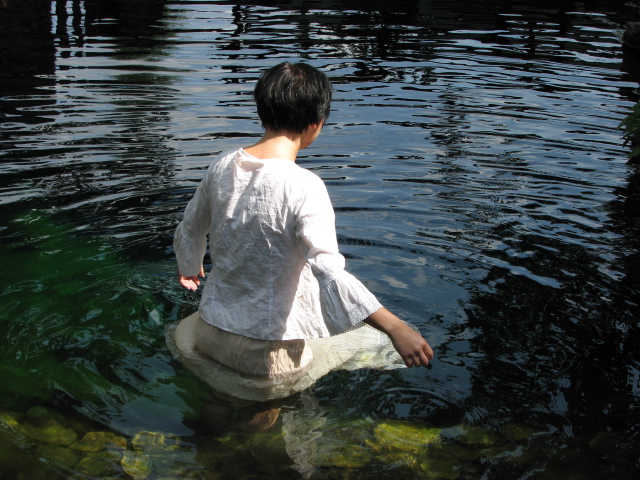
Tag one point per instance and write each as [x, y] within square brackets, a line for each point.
[482, 192]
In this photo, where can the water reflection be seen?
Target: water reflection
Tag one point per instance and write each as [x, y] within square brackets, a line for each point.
[26, 73]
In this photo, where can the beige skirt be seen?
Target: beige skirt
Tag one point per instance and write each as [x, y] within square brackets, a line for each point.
[259, 370]
[250, 356]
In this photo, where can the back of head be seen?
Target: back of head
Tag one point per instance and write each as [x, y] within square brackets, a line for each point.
[292, 96]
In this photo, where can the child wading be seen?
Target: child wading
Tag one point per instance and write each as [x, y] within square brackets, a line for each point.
[278, 301]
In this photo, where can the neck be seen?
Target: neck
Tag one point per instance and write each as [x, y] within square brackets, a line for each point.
[283, 145]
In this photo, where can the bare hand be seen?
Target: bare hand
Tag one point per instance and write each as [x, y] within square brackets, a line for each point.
[414, 350]
[191, 283]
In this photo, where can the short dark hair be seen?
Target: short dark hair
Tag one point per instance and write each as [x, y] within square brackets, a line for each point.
[292, 96]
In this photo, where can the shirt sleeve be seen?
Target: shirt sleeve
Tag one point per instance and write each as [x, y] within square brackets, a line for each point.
[344, 300]
[190, 238]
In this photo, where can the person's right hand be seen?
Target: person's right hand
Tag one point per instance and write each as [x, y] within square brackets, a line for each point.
[412, 347]
[414, 350]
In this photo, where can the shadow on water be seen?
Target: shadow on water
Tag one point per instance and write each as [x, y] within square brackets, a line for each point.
[533, 302]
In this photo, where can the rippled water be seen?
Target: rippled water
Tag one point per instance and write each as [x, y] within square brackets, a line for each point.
[482, 191]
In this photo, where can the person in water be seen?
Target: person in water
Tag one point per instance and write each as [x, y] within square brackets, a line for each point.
[277, 279]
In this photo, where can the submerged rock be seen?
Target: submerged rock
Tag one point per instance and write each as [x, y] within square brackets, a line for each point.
[405, 436]
[611, 444]
[518, 432]
[59, 455]
[97, 441]
[165, 453]
[36, 471]
[270, 451]
[100, 464]
[43, 413]
[478, 437]
[13, 459]
[398, 458]
[205, 475]
[46, 426]
[454, 453]
[51, 433]
[439, 469]
[350, 457]
[136, 464]
[8, 419]
[144, 441]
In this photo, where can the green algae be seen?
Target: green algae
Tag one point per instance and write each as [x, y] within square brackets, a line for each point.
[405, 436]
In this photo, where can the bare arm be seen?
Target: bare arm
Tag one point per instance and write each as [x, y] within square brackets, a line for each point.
[413, 349]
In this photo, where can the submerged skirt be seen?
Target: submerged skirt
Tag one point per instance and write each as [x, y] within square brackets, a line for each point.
[260, 370]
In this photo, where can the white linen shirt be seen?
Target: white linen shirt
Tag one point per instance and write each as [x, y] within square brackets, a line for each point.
[276, 271]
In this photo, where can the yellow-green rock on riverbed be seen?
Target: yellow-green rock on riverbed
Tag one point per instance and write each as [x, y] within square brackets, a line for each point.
[46, 426]
[146, 441]
[100, 464]
[404, 436]
[135, 464]
[52, 433]
[59, 455]
[8, 419]
[97, 441]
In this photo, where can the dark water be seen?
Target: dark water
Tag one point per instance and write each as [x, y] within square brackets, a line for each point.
[482, 191]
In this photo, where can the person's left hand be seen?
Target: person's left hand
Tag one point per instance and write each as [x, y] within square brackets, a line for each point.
[191, 283]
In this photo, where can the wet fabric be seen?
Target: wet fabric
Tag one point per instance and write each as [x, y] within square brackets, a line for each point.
[363, 347]
[250, 356]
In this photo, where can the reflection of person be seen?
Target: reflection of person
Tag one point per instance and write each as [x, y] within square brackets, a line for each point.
[277, 277]
[295, 426]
